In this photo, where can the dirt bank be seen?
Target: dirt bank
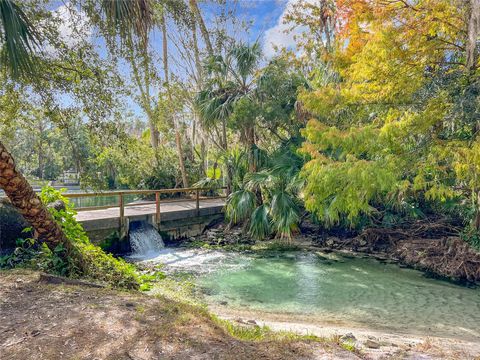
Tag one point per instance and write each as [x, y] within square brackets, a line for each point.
[56, 321]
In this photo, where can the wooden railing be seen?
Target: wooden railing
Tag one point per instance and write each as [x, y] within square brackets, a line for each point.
[122, 204]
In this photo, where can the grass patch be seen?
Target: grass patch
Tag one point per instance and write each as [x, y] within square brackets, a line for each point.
[260, 333]
[275, 245]
[180, 289]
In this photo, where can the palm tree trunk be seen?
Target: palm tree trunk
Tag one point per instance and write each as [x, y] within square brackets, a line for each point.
[27, 202]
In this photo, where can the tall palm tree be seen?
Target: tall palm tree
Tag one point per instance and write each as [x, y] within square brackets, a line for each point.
[18, 41]
[230, 79]
[17, 45]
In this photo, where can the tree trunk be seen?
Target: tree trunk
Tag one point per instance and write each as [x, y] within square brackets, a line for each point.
[203, 156]
[199, 78]
[196, 55]
[178, 139]
[27, 202]
[154, 134]
[477, 213]
[203, 29]
[252, 159]
[473, 32]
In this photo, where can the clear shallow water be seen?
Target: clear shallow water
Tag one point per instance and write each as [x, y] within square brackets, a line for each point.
[357, 291]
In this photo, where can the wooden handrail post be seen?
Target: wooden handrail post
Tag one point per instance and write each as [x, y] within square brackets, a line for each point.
[157, 209]
[197, 198]
[122, 214]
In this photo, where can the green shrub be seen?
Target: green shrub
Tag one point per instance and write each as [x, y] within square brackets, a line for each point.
[84, 260]
[96, 264]
[31, 254]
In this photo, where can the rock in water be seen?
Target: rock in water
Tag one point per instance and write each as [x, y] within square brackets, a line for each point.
[372, 344]
[348, 337]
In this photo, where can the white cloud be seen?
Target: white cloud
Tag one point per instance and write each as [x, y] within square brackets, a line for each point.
[278, 36]
[72, 25]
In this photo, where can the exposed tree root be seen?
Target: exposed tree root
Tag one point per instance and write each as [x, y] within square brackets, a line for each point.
[450, 257]
[431, 245]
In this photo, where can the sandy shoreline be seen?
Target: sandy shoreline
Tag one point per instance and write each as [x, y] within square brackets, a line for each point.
[391, 342]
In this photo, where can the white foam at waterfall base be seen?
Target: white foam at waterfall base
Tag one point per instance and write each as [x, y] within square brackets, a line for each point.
[145, 241]
[195, 261]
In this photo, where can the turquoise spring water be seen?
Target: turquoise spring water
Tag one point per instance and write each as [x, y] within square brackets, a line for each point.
[361, 292]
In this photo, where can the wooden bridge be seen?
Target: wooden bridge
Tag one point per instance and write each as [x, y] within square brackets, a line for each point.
[183, 216]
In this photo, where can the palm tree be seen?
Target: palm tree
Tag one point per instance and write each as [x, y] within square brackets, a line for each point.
[279, 210]
[18, 41]
[231, 78]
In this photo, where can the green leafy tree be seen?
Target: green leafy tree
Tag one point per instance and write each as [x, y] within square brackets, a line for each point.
[393, 131]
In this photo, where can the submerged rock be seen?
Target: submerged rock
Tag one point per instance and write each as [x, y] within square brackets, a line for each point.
[372, 344]
[348, 337]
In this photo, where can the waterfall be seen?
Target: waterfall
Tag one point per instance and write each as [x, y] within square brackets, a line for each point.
[145, 240]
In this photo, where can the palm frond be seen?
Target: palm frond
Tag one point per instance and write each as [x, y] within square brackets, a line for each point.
[236, 160]
[216, 104]
[260, 223]
[128, 17]
[246, 58]
[19, 39]
[259, 179]
[285, 214]
[240, 205]
[296, 184]
[215, 65]
[208, 183]
[286, 163]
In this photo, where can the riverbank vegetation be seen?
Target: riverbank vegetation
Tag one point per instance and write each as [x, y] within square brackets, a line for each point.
[370, 121]
[360, 132]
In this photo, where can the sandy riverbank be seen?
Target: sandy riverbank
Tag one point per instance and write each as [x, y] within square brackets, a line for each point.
[390, 343]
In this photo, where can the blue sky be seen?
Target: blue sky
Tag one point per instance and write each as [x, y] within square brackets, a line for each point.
[265, 15]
